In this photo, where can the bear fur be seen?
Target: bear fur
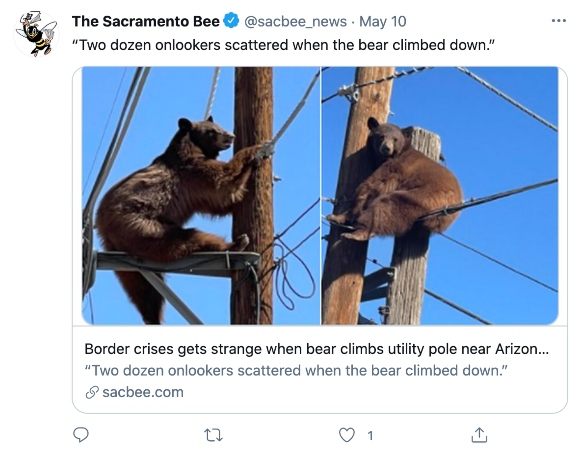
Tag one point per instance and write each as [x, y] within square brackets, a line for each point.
[143, 214]
[405, 186]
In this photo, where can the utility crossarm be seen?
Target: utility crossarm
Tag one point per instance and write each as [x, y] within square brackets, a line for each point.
[219, 264]
[375, 284]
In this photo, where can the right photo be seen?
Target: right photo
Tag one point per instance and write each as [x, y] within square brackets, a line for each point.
[440, 195]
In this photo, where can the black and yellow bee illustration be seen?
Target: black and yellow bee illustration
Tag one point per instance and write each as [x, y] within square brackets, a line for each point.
[40, 37]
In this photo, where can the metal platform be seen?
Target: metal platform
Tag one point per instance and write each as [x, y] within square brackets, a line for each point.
[218, 263]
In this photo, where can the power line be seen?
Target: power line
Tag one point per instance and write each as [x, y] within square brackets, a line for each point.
[124, 120]
[455, 208]
[281, 268]
[507, 98]
[272, 143]
[131, 102]
[448, 210]
[415, 70]
[302, 215]
[457, 307]
[89, 304]
[444, 300]
[296, 109]
[376, 262]
[104, 130]
[350, 90]
[499, 263]
[249, 271]
[216, 74]
[291, 251]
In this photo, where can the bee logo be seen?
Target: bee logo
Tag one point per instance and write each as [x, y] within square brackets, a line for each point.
[42, 38]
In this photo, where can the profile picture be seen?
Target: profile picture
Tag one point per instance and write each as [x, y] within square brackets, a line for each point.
[36, 34]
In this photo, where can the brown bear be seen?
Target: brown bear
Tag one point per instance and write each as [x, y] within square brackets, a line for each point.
[143, 214]
[405, 186]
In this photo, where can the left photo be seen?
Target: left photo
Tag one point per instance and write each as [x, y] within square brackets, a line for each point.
[200, 192]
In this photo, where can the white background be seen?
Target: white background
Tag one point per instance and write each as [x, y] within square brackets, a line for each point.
[40, 395]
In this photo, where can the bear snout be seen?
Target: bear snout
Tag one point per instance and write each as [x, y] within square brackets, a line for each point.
[230, 137]
[386, 150]
[226, 140]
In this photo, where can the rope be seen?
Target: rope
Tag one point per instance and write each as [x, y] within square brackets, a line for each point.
[507, 98]
[216, 74]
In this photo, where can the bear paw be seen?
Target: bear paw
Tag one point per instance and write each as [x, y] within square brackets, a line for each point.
[338, 219]
[265, 151]
[360, 236]
[241, 243]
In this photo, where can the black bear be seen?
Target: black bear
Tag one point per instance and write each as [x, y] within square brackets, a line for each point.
[143, 214]
[405, 186]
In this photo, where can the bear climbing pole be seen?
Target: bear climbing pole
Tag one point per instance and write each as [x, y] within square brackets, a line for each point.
[343, 276]
[251, 304]
[405, 293]
[217, 264]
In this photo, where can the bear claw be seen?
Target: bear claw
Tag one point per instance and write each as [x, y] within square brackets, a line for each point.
[359, 236]
[338, 219]
[241, 243]
[265, 151]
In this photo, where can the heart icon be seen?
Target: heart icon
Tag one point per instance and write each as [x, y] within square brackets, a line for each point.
[346, 434]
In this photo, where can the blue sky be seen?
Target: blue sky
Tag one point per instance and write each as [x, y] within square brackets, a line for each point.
[492, 147]
[172, 93]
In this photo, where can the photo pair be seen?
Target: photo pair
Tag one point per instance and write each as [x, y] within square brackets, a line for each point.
[319, 195]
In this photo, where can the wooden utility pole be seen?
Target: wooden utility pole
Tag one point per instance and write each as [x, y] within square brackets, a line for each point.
[405, 293]
[343, 276]
[254, 215]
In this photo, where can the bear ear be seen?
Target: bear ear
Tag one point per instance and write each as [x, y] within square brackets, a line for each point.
[372, 123]
[209, 118]
[184, 124]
